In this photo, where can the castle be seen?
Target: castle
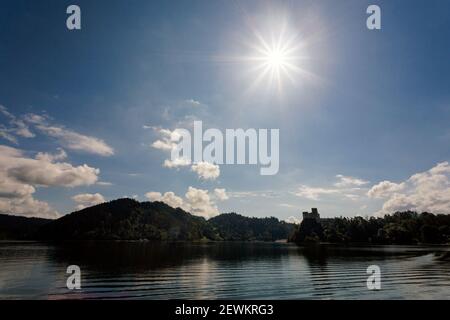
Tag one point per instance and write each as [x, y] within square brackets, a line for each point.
[314, 214]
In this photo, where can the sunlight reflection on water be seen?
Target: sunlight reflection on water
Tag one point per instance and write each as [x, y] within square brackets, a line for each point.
[146, 270]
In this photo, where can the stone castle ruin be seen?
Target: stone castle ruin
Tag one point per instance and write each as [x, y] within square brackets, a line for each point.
[313, 215]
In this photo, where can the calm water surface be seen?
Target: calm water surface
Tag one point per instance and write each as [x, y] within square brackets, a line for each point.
[143, 270]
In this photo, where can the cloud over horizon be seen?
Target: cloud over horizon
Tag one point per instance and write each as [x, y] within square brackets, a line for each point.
[87, 200]
[424, 191]
[196, 201]
[20, 175]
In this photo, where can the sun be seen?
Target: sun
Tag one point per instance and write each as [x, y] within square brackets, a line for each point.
[278, 60]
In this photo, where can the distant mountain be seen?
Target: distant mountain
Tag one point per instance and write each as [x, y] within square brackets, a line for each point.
[127, 219]
[19, 228]
[232, 226]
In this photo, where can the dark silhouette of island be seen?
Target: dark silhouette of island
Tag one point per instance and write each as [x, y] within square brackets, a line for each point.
[399, 228]
[128, 219]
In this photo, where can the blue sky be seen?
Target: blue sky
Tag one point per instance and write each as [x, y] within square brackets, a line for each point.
[369, 106]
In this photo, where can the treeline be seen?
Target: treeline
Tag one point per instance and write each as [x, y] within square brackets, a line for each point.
[232, 226]
[127, 219]
[400, 228]
[19, 228]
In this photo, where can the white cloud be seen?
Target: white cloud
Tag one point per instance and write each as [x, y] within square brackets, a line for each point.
[440, 168]
[20, 175]
[87, 200]
[23, 130]
[200, 203]
[169, 198]
[424, 191]
[385, 189]
[221, 194]
[206, 170]
[7, 136]
[9, 188]
[153, 196]
[68, 138]
[27, 206]
[313, 193]
[44, 173]
[43, 170]
[6, 113]
[16, 127]
[196, 201]
[167, 142]
[162, 145]
[347, 181]
[168, 139]
[61, 155]
[35, 118]
[178, 162]
[292, 219]
[16, 197]
[76, 141]
[347, 187]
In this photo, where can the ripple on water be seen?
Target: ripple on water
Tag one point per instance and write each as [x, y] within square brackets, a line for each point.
[220, 271]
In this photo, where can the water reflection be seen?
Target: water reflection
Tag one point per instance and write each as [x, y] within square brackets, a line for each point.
[142, 256]
[221, 270]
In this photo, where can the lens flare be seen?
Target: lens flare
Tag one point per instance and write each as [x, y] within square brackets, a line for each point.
[277, 60]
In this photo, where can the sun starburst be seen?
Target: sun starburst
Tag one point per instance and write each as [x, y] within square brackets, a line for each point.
[277, 60]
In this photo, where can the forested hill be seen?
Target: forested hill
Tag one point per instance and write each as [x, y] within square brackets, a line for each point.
[14, 227]
[127, 219]
[232, 226]
[399, 228]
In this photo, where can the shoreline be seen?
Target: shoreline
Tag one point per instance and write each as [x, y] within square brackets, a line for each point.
[306, 245]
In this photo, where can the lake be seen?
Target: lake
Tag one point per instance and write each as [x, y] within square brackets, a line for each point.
[221, 270]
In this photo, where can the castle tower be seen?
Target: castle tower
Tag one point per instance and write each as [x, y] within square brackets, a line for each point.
[314, 214]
